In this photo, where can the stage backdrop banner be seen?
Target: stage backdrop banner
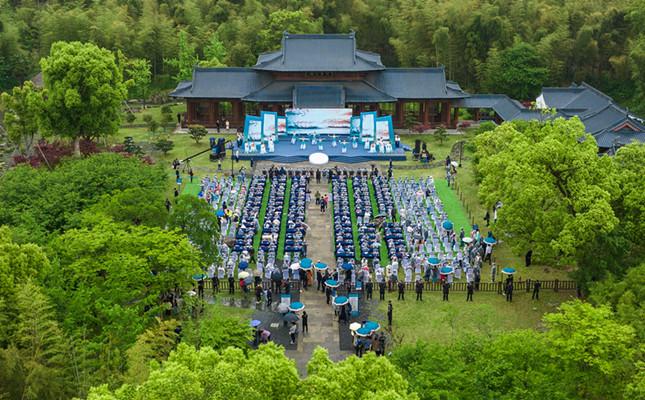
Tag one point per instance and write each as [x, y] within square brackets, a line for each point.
[385, 129]
[253, 128]
[355, 126]
[318, 120]
[269, 123]
[282, 126]
[368, 125]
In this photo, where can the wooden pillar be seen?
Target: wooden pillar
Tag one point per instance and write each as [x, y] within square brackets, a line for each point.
[238, 113]
[445, 113]
[400, 114]
[377, 108]
[426, 113]
[190, 112]
[455, 117]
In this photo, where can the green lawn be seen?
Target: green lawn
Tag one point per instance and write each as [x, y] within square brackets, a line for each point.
[155, 112]
[284, 221]
[191, 188]
[385, 259]
[452, 206]
[439, 321]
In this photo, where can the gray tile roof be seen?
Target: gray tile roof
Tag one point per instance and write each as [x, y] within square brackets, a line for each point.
[354, 91]
[221, 83]
[319, 53]
[416, 83]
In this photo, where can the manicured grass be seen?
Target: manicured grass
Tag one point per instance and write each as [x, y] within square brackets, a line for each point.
[263, 211]
[191, 188]
[284, 220]
[452, 206]
[155, 112]
[352, 215]
[439, 321]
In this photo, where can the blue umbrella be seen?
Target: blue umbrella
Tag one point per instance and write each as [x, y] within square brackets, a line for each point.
[321, 266]
[305, 263]
[475, 227]
[199, 277]
[508, 271]
[340, 300]
[219, 213]
[434, 261]
[363, 331]
[332, 283]
[446, 270]
[447, 225]
[490, 240]
[255, 323]
[243, 265]
[372, 326]
[346, 266]
[296, 306]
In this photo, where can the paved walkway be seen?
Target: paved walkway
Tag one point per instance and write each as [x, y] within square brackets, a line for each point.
[323, 326]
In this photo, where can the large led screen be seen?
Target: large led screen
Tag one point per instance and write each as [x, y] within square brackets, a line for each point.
[318, 120]
[269, 123]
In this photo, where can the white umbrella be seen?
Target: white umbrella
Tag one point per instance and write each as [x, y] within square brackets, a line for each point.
[318, 158]
[354, 326]
[243, 275]
[295, 266]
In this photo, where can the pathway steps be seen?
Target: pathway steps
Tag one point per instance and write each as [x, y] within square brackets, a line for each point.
[323, 326]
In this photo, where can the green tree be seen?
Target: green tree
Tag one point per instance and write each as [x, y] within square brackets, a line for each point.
[592, 348]
[516, 71]
[214, 52]
[197, 132]
[163, 144]
[41, 345]
[138, 70]
[136, 206]
[440, 133]
[185, 60]
[77, 107]
[153, 345]
[22, 110]
[279, 21]
[195, 217]
[216, 331]
[556, 192]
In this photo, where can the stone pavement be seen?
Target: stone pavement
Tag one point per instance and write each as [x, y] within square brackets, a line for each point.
[323, 326]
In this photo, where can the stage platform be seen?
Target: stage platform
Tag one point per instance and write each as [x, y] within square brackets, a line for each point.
[286, 152]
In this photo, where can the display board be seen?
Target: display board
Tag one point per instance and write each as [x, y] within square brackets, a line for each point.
[253, 128]
[385, 129]
[282, 125]
[269, 123]
[355, 125]
[368, 126]
[318, 120]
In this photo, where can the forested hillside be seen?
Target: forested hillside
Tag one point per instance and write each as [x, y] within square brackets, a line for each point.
[478, 41]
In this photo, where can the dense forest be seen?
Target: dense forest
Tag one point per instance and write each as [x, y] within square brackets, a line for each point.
[478, 41]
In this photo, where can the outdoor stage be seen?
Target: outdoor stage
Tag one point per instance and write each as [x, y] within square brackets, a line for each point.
[286, 152]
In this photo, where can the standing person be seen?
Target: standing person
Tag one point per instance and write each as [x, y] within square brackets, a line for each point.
[419, 290]
[200, 287]
[369, 287]
[536, 290]
[269, 296]
[191, 174]
[493, 272]
[293, 331]
[487, 218]
[381, 290]
[509, 291]
[258, 293]
[471, 290]
[227, 125]
[231, 284]
[305, 322]
[168, 204]
[446, 290]
[381, 342]
[176, 194]
[327, 293]
[319, 281]
[401, 291]
[217, 125]
[527, 258]
[389, 313]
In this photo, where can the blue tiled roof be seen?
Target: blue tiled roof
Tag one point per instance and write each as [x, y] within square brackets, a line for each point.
[416, 83]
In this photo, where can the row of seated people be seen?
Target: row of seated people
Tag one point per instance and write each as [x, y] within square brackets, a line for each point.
[296, 230]
[367, 237]
[273, 216]
[249, 225]
[343, 233]
[396, 245]
[383, 195]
